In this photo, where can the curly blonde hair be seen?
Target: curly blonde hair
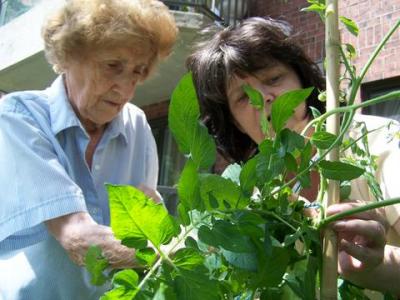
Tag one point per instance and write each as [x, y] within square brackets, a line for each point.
[83, 25]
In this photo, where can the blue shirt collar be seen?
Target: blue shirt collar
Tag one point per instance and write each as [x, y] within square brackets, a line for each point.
[62, 115]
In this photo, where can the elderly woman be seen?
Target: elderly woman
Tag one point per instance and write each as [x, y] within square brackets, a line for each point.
[60, 145]
[263, 54]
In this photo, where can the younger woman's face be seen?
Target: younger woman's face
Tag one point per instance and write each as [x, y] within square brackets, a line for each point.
[270, 82]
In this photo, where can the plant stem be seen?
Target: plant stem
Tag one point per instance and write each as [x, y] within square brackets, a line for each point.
[356, 210]
[332, 45]
[347, 65]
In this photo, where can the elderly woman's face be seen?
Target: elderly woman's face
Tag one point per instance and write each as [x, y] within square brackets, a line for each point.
[271, 82]
[100, 84]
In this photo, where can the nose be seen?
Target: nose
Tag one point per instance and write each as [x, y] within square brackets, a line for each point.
[267, 93]
[268, 97]
[126, 85]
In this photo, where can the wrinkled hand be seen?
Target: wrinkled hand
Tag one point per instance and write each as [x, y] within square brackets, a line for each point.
[361, 241]
[149, 192]
[78, 231]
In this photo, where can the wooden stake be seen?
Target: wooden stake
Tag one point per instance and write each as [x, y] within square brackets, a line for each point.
[332, 44]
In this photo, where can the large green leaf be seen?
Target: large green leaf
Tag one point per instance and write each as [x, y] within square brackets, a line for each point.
[202, 147]
[188, 187]
[134, 216]
[195, 285]
[337, 170]
[284, 106]
[183, 120]
[183, 112]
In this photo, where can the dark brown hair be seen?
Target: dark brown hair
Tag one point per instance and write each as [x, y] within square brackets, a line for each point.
[245, 48]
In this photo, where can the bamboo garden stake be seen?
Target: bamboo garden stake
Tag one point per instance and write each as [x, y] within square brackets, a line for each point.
[332, 45]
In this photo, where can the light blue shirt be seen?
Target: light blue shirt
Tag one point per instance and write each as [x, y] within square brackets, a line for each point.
[44, 175]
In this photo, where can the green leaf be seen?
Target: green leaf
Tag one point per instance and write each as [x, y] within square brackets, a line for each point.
[323, 139]
[183, 120]
[96, 263]
[245, 261]
[225, 235]
[202, 147]
[189, 187]
[256, 98]
[135, 216]
[291, 140]
[183, 112]
[274, 268]
[146, 256]
[188, 258]
[350, 50]
[222, 190]
[290, 162]
[119, 293]
[127, 278]
[318, 8]
[195, 285]
[337, 170]
[284, 106]
[164, 292]
[247, 177]
[350, 25]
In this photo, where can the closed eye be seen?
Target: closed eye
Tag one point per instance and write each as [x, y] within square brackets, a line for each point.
[274, 80]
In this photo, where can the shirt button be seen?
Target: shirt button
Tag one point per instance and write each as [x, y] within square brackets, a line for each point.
[97, 167]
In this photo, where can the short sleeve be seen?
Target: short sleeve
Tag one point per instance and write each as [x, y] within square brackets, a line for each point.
[34, 183]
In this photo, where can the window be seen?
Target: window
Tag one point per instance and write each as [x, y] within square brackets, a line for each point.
[171, 162]
[388, 109]
[170, 159]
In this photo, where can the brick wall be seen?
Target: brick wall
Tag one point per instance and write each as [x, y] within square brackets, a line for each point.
[308, 26]
[374, 18]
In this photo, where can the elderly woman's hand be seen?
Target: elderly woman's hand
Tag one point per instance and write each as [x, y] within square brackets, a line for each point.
[361, 242]
[76, 232]
[149, 192]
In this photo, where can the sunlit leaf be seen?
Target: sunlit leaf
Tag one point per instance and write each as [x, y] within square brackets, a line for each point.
[350, 25]
[255, 97]
[183, 120]
[188, 187]
[284, 106]
[135, 216]
[146, 256]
